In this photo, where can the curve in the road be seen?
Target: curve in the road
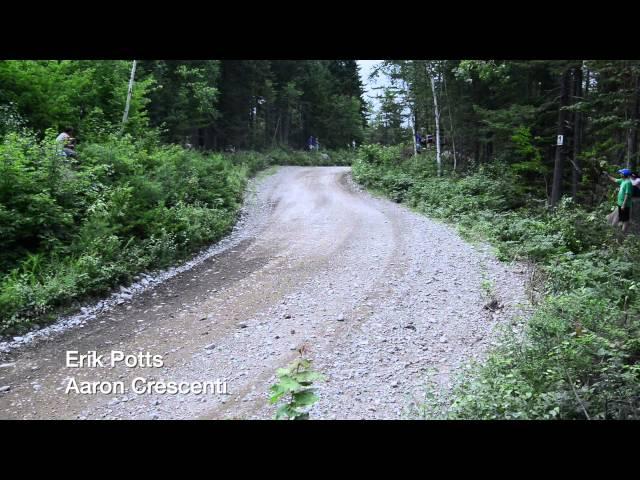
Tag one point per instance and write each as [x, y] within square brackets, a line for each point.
[378, 294]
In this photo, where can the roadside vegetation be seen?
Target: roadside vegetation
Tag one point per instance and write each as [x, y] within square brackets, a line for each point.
[73, 229]
[513, 153]
[150, 188]
[579, 355]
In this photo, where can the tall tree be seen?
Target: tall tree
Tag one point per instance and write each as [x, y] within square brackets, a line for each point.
[184, 99]
[558, 168]
[577, 129]
[432, 72]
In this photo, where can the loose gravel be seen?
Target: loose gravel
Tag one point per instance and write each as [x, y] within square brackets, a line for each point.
[379, 296]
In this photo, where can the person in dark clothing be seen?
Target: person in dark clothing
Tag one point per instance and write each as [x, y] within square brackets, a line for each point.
[635, 182]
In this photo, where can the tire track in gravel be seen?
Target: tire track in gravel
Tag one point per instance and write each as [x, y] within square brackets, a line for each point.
[377, 293]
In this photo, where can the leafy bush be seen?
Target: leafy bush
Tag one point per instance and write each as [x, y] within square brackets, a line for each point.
[74, 228]
[284, 156]
[579, 360]
[580, 352]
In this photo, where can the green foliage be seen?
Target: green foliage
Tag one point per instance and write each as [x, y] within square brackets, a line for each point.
[578, 356]
[386, 126]
[124, 208]
[485, 69]
[77, 228]
[578, 360]
[184, 95]
[531, 167]
[411, 180]
[264, 104]
[86, 94]
[284, 156]
[250, 104]
[11, 120]
[294, 384]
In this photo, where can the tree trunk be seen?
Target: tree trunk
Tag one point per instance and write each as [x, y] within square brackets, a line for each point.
[125, 116]
[436, 113]
[415, 145]
[633, 136]
[577, 132]
[285, 128]
[558, 168]
[275, 133]
[453, 135]
[412, 116]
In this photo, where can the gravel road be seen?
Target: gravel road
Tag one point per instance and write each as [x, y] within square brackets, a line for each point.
[379, 296]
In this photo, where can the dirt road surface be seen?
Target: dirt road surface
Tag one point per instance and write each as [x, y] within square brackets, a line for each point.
[379, 295]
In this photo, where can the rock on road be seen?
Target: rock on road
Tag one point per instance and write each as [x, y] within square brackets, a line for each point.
[379, 295]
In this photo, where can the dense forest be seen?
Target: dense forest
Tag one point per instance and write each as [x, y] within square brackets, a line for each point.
[209, 104]
[518, 158]
[514, 111]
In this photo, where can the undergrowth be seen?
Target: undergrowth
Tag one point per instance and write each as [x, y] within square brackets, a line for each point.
[73, 229]
[579, 356]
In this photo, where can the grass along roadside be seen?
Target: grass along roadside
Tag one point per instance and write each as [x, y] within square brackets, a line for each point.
[578, 355]
[73, 231]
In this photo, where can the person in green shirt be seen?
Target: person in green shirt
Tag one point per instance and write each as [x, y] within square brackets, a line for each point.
[624, 197]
